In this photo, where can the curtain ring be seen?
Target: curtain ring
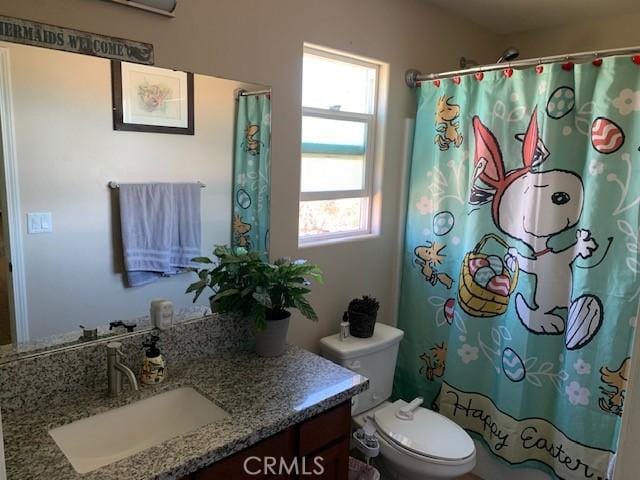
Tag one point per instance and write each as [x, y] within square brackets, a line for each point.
[597, 61]
[508, 71]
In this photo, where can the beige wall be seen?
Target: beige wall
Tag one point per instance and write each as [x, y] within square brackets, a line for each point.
[261, 42]
[586, 35]
[67, 152]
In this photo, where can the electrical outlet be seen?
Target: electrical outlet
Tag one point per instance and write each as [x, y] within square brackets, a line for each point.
[39, 222]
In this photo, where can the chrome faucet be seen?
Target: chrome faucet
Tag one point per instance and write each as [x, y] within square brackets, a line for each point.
[116, 369]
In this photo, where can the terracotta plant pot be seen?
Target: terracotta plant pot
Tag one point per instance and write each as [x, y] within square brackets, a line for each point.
[271, 341]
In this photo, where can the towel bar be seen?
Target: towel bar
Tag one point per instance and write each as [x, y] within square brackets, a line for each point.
[113, 184]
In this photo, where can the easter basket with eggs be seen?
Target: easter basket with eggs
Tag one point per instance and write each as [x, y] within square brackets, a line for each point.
[486, 281]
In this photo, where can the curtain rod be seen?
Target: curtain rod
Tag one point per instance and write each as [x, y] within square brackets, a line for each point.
[243, 93]
[113, 184]
[414, 77]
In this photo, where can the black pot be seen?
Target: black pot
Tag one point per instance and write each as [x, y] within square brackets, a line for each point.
[361, 325]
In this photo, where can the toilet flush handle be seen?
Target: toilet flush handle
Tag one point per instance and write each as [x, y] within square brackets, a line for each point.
[355, 365]
[406, 412]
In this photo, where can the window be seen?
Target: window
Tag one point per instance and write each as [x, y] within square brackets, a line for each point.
[339, 96]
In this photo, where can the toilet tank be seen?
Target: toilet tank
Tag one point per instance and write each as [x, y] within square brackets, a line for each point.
[373, 357]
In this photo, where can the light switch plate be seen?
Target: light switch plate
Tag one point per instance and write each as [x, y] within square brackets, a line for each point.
[39, 222]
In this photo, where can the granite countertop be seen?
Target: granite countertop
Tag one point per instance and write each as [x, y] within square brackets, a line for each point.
[263, 396]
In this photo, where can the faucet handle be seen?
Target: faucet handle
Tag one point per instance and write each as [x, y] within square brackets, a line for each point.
[115, 347]
[128, 326]
[88, 333]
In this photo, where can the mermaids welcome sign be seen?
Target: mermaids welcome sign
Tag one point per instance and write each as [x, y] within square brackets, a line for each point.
[58, 38]
[521, 278]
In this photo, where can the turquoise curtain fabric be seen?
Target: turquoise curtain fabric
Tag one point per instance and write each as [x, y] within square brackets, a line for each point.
[520, 284]
[251, 173]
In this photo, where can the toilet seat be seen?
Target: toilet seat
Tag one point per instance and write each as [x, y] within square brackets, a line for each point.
[426, 435]
[421, 459]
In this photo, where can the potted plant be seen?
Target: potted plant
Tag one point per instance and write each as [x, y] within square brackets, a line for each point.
[361, 315]
[244, 283]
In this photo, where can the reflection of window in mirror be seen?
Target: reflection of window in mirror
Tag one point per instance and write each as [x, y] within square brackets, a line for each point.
[339, 108]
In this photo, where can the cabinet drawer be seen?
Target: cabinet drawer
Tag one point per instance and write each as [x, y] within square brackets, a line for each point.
[278, 446]
[325, 428]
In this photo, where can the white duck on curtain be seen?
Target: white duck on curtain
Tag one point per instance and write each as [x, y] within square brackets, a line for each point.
[520, 284]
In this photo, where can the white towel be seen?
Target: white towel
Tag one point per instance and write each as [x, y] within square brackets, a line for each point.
[161, 229]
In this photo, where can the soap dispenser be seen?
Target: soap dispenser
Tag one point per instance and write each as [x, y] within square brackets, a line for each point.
[153, 369]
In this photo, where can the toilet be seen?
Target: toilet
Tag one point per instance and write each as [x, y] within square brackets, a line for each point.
[415, 443]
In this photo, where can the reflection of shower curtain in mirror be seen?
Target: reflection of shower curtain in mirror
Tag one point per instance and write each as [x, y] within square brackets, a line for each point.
[251, 181]
[521, 277]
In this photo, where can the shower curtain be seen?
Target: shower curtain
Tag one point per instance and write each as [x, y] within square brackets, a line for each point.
[520, 283]
[251, 177]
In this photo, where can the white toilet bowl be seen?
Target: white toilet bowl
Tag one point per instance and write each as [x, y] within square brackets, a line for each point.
[415, 444]
[426, 447]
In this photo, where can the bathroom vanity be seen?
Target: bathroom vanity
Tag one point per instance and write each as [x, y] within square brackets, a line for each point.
[293, 406]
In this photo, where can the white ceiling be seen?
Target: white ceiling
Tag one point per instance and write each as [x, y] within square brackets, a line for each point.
[512, 16]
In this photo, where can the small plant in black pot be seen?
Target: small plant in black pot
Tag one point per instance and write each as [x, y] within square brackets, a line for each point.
[362, 314]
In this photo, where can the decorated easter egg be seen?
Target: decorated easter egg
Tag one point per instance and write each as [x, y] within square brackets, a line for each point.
[561, 102]
[512, 365]
[606, 136]
[483, 275]
[495, 263]
[443, 223]
[243, 199]
[500, 284]
[583, 321]
[476, 263]
[449, 307]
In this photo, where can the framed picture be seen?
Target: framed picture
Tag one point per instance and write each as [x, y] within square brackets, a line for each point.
[151, 99]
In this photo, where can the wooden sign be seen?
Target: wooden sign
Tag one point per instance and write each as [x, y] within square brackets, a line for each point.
[37, 34]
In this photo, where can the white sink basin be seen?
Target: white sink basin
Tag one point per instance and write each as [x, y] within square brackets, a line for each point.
[105, 438]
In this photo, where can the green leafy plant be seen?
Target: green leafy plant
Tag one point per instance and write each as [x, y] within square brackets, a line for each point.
[244, 283]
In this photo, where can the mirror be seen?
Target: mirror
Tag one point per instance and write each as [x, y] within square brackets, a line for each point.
[68, 145]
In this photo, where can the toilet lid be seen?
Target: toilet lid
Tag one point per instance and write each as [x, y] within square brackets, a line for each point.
[428, 433]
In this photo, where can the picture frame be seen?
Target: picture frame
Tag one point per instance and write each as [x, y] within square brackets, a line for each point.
[151, 99]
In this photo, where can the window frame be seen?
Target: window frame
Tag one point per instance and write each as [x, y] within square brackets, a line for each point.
[370, 120]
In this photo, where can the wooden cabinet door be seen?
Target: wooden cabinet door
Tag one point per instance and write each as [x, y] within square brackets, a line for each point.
[329, 464]
[322, 430]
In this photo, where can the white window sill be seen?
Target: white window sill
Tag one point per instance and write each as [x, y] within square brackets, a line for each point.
[322, 242]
